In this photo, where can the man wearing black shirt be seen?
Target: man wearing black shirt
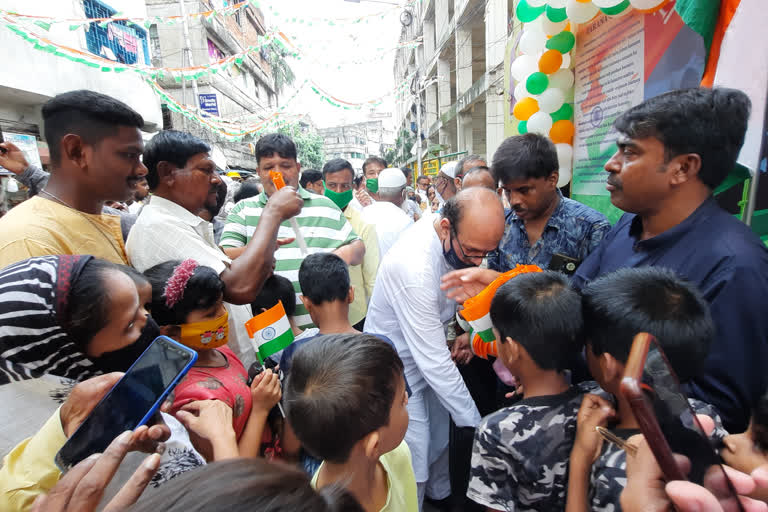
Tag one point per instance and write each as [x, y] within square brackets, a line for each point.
[673, 151]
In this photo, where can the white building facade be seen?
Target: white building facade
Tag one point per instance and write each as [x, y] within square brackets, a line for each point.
[457, 73]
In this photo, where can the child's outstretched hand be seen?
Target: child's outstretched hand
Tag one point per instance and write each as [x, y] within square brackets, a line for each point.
[265, 391]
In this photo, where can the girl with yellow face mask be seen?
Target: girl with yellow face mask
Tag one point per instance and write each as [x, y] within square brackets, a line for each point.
[188, 304]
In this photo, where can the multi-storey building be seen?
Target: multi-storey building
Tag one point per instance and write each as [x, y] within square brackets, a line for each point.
[356, 142]
[457, 73]
[245, 92]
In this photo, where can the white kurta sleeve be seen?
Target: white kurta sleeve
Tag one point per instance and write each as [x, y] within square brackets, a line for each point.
[418, 313]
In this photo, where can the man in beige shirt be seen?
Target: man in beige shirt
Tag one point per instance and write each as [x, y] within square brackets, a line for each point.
[95, 144]
[184, 180]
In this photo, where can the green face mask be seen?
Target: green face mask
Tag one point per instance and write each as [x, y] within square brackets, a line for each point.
[340, 199]
[372, 184]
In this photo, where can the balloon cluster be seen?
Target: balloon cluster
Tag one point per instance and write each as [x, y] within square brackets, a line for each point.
[543, 68]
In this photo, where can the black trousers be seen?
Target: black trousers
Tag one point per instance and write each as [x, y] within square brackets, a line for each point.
[483, 386]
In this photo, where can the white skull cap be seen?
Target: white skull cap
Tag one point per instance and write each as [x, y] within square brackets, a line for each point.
[450, 169]
[391, 177]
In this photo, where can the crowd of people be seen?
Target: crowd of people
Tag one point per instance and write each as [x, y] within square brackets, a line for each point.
[383, 401]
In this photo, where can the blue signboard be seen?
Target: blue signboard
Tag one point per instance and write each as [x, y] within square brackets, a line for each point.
[209, 104]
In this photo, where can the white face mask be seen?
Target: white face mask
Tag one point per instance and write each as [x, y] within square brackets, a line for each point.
[439, 197]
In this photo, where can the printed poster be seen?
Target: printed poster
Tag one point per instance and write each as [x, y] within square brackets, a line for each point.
[27, 144]
[618, 63]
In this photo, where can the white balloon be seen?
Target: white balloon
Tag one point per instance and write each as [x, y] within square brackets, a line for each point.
[564, 155]
[561, 79]
[551, 28]
[556, 4]
[566, 61]
[533, 40]
[605, 4]
[564, 176]
[540, 123]
[646, 4]
[523, 66]
[520, 91]
[537, 3]
[579, 12]
[551, 100]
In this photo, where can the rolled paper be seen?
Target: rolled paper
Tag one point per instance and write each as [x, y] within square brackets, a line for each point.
[477, 311]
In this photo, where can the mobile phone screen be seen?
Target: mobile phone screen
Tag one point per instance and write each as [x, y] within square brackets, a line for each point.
[676, 417]
[133, 400]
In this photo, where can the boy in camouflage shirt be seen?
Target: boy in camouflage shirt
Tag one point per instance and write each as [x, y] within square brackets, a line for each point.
[520, 454]
[616, 308]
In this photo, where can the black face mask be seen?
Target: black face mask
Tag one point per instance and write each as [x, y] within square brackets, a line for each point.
[453, 259]
[122, 359]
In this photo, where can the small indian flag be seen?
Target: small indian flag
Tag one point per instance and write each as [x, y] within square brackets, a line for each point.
[270, 331]
[477, 311]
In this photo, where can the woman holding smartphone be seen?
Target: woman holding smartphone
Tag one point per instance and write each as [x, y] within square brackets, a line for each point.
[64, 319]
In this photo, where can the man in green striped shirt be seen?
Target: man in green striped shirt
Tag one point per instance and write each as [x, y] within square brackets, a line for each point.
[323, 225]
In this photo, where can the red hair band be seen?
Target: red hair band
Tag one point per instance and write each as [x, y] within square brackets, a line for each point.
[174, 288]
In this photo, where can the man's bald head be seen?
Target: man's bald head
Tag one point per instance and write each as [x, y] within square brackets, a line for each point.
[476, 217]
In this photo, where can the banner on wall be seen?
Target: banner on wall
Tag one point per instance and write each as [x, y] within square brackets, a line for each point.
[619, 62]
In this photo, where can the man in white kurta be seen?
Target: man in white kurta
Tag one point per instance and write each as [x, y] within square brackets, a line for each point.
[408, 307]
[387, 214]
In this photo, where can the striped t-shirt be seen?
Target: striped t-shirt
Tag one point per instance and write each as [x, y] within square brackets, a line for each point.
[321, 222]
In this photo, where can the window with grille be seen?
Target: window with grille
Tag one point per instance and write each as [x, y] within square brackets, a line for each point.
[120, 41]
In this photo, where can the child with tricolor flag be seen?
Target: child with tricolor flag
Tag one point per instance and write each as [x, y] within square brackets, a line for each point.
[187, 303]
[276, 290]
[520, 454]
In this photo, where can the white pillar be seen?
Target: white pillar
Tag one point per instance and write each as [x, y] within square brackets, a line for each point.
[495, 43]
[464, 132]
[441, 20]
[429, 40]
[444, 94]
[431, 107]
[463, 60]
[463, 84]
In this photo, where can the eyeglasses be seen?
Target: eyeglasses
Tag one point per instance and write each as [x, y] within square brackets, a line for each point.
[461, 248]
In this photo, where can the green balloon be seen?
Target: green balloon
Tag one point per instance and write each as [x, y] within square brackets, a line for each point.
[557, 15]
[522, 127]
[537, 83]
[562, 42]
[564, 113]
[616, 9]
[526, 13]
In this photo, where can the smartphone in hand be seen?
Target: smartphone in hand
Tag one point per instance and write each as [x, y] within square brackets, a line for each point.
[131, 402]
[664, 414]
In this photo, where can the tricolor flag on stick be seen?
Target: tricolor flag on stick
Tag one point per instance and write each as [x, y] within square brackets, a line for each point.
[270, 331]
[477, 311]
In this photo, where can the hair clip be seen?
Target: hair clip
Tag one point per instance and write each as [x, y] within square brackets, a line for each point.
[613, 438]
[174, 288]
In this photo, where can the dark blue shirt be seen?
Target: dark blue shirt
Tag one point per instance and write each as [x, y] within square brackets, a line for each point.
[720, 254]
[573, 230]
